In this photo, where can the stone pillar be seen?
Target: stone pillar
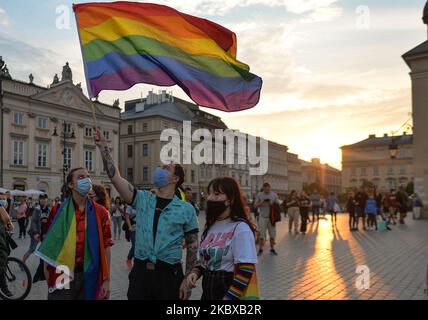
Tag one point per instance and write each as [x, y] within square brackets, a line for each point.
[417, 60]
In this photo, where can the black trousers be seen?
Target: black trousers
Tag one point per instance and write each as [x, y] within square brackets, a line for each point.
[22, 228]
[75, 292]
[215, 284]
[315, 212]
[304, 215]
[163, 283]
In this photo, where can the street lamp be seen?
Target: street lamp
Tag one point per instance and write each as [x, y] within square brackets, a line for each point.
[65, 135]
[393, 149]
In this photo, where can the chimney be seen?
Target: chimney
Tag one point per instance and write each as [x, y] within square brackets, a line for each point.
[404, 133]
[385, 135]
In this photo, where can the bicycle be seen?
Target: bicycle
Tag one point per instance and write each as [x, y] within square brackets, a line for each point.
[17, 275]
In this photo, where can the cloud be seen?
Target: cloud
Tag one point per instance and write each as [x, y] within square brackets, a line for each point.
[223, 7]
[23, 58]
[4, 18]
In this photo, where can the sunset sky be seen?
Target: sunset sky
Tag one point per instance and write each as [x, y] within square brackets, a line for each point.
[332, 69]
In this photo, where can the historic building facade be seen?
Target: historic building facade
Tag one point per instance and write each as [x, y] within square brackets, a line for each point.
[46, 131]
[370, 160]
[417, 60]
[294, 167]
[142, 123]
[329, 178]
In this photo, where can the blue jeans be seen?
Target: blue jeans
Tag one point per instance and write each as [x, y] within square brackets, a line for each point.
[131, 251]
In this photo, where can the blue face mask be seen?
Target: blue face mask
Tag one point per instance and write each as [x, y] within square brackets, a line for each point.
[161, 177]
[3, 203]
[84, 186]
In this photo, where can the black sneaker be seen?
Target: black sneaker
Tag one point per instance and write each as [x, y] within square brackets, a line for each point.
[273, 252]
[259, 253]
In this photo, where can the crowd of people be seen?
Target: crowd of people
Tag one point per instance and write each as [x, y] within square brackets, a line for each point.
[79, 230]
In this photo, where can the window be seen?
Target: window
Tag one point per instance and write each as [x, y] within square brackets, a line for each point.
[192, 176]
[402, 170]
[88, 132]
[145, 174]
[390, 170]
[130, 151]
[42, 123]
[130, 174]
[42, 155]
[145, 127]
[106, 134]
[363, 171]
[353, 171]
[18, 118]
[89, 160]
[67, 157]
[67, 127]
[18, 152]
[145, 150]
[376, 171]
[130, 129]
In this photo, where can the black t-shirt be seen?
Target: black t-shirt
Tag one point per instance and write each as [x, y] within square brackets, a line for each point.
[161, 204]
[44, 215]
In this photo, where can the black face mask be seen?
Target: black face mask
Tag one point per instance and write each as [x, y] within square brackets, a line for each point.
[216, 208]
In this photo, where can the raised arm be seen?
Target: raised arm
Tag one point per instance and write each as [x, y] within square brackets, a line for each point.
[125, 189]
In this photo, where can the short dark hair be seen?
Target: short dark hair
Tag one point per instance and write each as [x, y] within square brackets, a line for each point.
[180, 173]
[69, 179]
[43, 196]
[188, 189]
[266, 184]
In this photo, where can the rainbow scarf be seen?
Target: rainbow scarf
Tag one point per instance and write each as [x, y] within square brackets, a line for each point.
[125, 43]
[59, 246]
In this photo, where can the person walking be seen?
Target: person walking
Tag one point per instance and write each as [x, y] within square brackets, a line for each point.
[188, 194]
[402, 203]
[392, 206]
[293, 212]
[371, 212]
[417, 206]
[360, 199]
[227, 255]
[351, 208]
[21, 216]
[117, 211]
[38, 226]
[78, 238]
[163, 221]
[304, 206]
[264, 202]
[332, 205]
[316, 202]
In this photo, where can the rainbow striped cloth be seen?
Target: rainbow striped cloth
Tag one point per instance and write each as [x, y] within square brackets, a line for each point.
[59, 246]
[125, 43]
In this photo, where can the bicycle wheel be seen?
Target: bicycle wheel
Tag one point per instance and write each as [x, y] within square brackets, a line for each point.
[18, 280]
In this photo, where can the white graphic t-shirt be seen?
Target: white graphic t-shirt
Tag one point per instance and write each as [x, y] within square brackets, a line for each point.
[226, 244]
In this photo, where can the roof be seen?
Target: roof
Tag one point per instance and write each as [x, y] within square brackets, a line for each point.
[177, 109]
[381, 141]
[420, 49]
[169, 110]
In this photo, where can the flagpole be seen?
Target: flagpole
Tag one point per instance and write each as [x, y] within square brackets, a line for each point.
[94, 118]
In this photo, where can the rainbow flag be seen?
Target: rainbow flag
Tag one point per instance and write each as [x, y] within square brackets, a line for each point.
[59, 246]
[125, 43]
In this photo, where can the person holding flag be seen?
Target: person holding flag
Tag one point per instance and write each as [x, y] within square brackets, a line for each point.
[78, 241]
[163, 221]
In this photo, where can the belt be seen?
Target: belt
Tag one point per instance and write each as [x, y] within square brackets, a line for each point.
[159, 265]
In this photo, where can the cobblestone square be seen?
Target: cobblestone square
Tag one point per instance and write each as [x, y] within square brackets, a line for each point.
[319, 265]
